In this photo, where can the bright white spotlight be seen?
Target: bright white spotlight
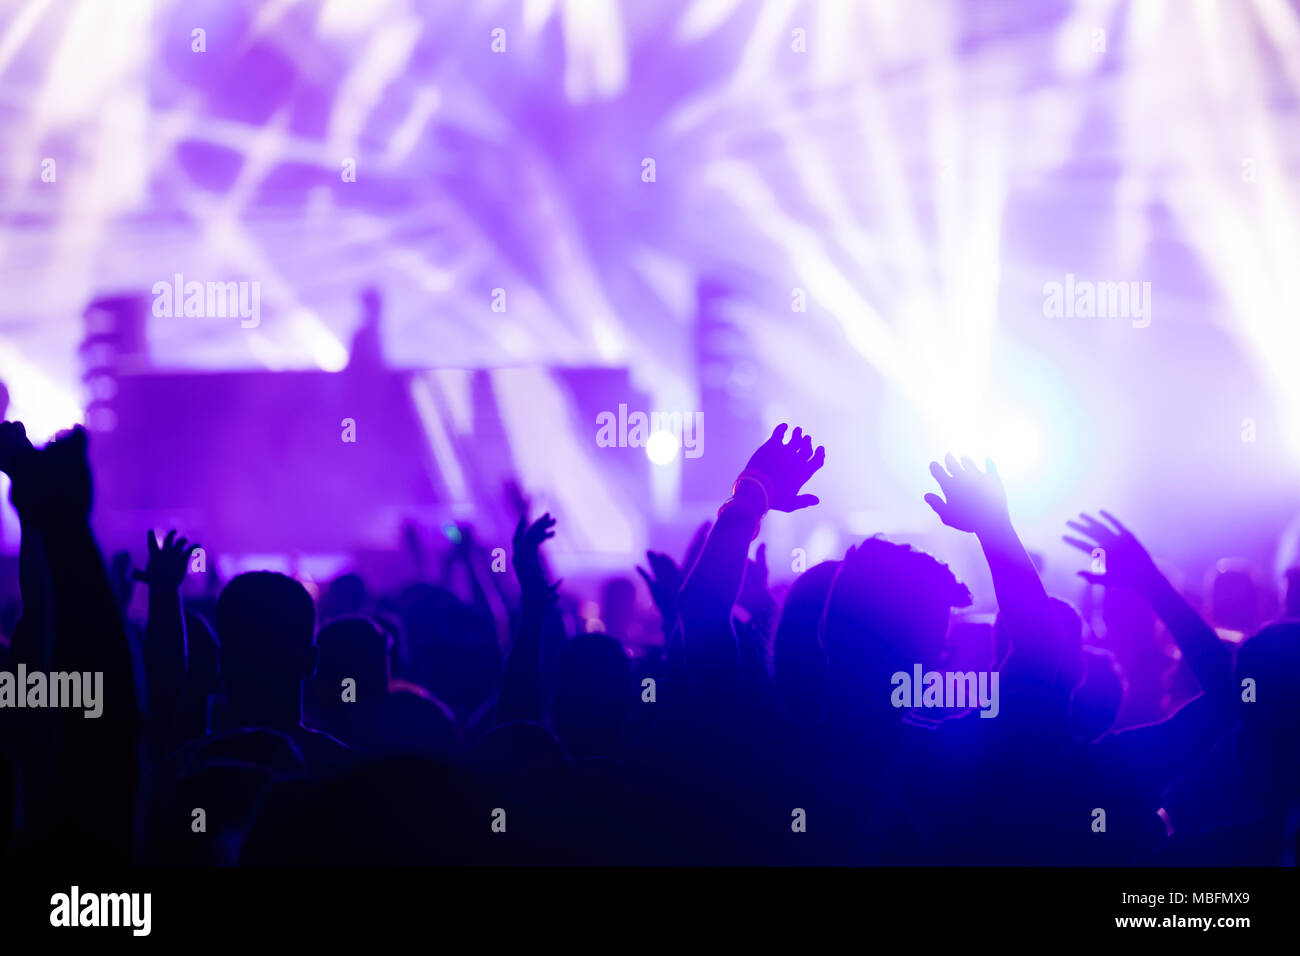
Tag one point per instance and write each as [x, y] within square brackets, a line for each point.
[1014, 445]
[661, 447]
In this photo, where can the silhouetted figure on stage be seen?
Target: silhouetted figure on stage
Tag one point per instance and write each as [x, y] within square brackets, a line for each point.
[366, 353]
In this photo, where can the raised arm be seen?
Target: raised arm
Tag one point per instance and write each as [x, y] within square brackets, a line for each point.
[30, 640]
[165, 645]
[1154, 756]
[485, 595]
[664, 581]
[770, 481]
[1126, 563]
[90, 802]
[521, 695]
[975, 501]
[1167, 748]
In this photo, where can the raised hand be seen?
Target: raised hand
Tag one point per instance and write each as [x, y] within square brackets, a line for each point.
[53, 482]
[525, 557]
[1123, 561]
[664, 579]
[1120, 560]
[167, 561]
[14, 446]
[973, 500]
[521, 693]
[781, 468]
[771, 480]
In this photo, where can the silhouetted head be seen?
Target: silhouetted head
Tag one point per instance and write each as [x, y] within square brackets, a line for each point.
[798, 661]
[1268, 737]
[344, 596]
[806, 601]
[888, 609]
[1235, 596]
[591, 696]
[1097, 701]
[351, 648]
[266, 622]
[452, 650]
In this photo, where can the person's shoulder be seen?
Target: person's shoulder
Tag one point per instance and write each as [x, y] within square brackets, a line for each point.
[173, 763]
[311, 737]
[322, 751]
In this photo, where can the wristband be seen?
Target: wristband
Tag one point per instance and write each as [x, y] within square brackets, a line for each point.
[732, 502]
[758, 480]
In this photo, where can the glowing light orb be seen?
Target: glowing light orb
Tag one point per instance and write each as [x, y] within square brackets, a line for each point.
[1015, 445]
[661, 447]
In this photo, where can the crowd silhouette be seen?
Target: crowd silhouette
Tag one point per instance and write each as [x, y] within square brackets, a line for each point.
[468, 721]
